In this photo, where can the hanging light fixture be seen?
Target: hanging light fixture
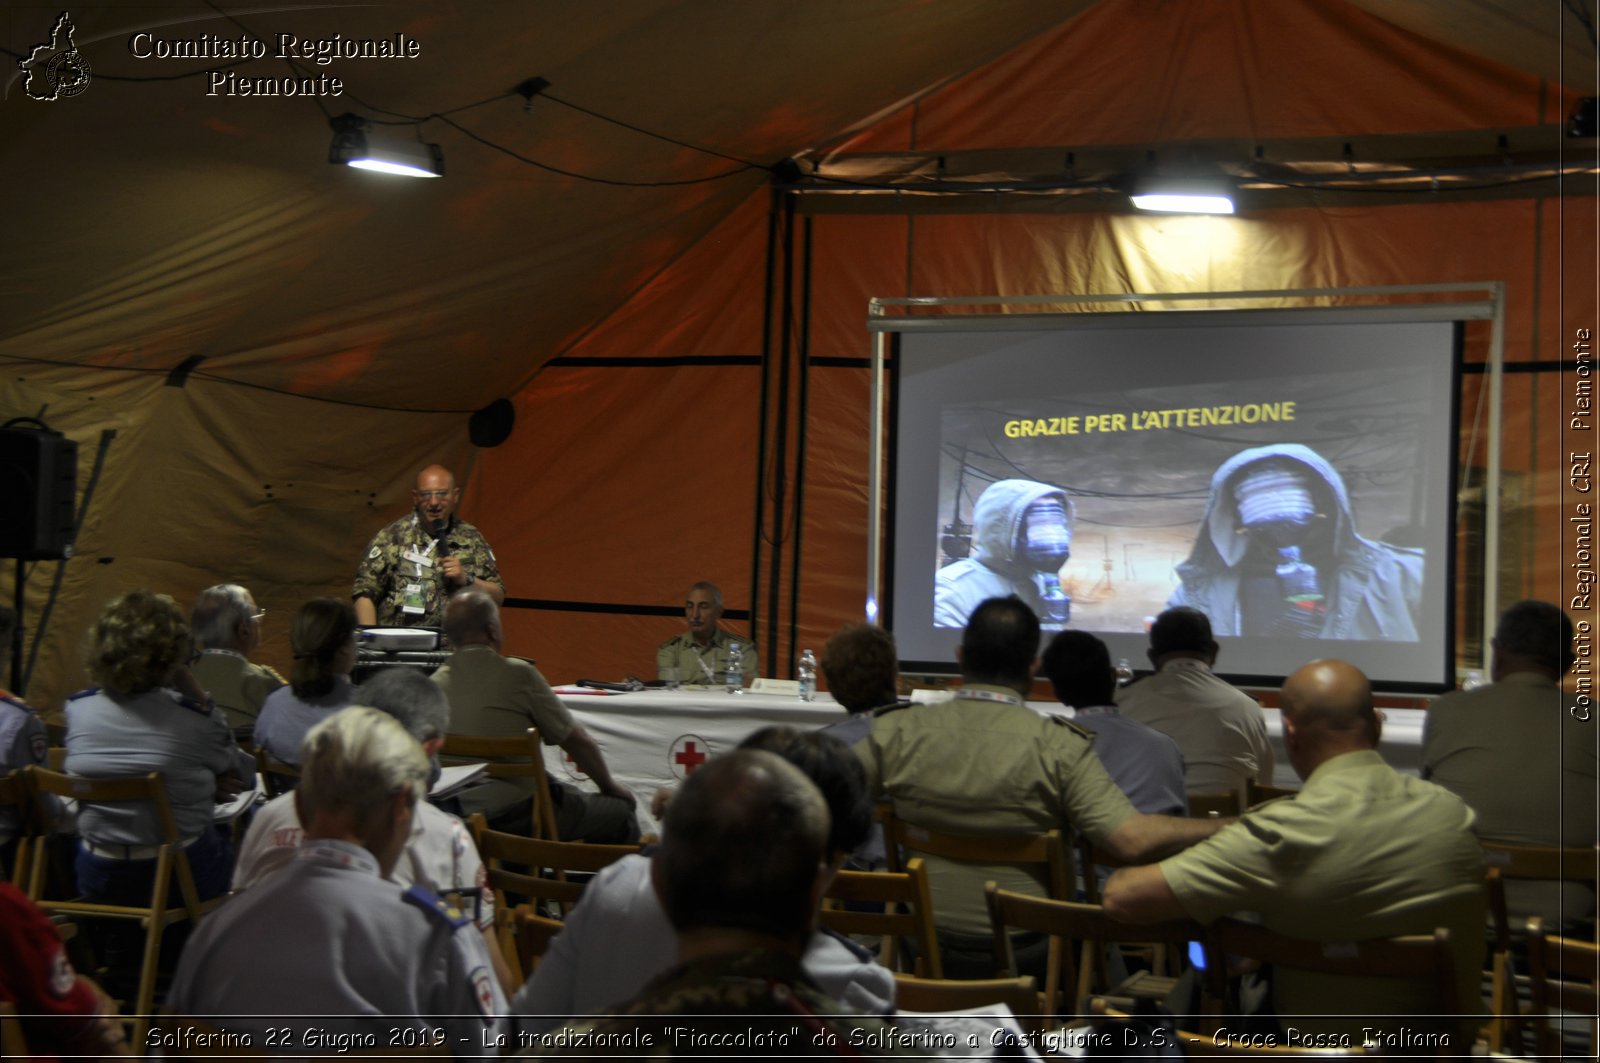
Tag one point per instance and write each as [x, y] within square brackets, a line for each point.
[1184, 195]
[357, 143]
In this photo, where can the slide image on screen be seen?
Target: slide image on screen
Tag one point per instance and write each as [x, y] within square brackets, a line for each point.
[1102, 510]
[1290, 499]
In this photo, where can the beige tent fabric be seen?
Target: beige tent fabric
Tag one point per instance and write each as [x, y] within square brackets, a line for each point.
[349, 324]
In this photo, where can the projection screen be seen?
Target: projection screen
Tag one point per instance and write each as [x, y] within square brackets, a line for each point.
[1288, 472]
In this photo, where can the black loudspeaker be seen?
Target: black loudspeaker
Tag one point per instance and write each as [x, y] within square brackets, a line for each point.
[38, 483]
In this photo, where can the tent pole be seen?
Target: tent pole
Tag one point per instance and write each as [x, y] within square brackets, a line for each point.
[761, 429]
[802, 425]
[780, 434]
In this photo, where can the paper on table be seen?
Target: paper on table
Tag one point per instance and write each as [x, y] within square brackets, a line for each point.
[231, 809]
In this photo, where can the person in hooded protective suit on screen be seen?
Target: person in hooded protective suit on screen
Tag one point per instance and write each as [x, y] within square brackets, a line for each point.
[1021, 536]
[1278, 555]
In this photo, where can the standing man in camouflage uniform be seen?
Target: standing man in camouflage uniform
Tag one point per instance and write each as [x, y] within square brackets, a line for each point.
[415, 564]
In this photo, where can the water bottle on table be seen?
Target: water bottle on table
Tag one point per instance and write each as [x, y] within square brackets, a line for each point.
[808, 676]
[734, 676]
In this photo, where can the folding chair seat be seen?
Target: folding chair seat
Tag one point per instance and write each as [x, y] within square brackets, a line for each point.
[536, 868]
[511, 757]
[1085, 925]
[169, 862]
[1565, 974]
[1019, 995]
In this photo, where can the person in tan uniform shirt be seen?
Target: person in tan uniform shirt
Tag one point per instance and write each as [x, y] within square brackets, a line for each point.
[227, 629]
[985, 763]
[700, 654]
[1220, 729]
[1361, 852]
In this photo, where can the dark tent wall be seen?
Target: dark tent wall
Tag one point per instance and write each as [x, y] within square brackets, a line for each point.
[1125, 71]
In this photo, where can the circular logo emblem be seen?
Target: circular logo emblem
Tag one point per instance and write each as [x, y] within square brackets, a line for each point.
[68, 74]
[688, 752]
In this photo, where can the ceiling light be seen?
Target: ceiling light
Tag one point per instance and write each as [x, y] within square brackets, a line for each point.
[356, 143]
[1184, 195]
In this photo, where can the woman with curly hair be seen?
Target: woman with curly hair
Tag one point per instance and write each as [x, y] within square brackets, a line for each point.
[324, 642]
[149, 715]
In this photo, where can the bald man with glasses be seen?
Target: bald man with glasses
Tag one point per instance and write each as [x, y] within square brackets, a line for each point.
[414, 564]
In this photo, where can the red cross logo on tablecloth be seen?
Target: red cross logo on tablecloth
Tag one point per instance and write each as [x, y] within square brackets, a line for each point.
[688, 753]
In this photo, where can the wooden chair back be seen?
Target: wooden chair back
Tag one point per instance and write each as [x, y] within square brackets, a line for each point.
[1223, 803]
[1565, 975]
[277, 776]
[13, 1041]
[533, 933]
[17, 797]
[1085, 925]
[1423, 958]
[511, 757]
[538, 869]
[1020, 995]
[1255, 793]
[902, 907]
[170, 862]
[1521, 863]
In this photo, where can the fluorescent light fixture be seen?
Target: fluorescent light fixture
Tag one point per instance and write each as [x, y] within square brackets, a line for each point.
[355, 143]
[1184, 195]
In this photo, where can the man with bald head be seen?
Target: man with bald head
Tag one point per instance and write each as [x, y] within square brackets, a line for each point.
[491, 694]
[1360, 852]
[414, 564]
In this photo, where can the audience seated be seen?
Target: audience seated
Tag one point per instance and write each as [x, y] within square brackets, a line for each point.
[1361, 852]
[618, 936]
[985, 763]
[1144, 763]
[63, 1014]
[227, 630]
[324, 642]
[1220, 729]
[740, 872]
[495, 695]
[148, 715]
[329, 935]
[1516, 752]
[439, 853]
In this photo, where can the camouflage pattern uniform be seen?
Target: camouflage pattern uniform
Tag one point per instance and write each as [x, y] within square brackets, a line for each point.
[384, 572]
[745, 1004]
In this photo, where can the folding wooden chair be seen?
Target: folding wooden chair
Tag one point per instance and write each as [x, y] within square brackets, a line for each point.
[16, 798]
[170, 860]
[1522, 863]
[533, 933]
[1565, 974]
[277, 776]
[1020, 995]
[1045, 852]
[902, 907]
[511, 757]
[1071, 922]
[1162, 975]
[544, 865]
[1424, 958]
[1256, 793]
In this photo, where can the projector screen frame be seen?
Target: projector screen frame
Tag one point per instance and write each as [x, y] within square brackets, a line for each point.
[889, 317]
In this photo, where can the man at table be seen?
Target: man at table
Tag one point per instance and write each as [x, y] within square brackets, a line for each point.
[414, 564]
[700, 654]
[495, 695]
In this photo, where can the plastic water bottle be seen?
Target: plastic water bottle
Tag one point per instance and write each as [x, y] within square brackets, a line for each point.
[1297, 579]
[1473, 680]
[1124, 672]
[734, 677]
[1057, 605]
[808, 676]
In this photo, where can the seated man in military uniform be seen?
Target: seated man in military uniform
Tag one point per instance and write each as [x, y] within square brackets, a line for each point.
[700, 655]
[227, 629]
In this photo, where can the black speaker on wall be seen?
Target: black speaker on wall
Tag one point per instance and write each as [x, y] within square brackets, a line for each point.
[38, 483]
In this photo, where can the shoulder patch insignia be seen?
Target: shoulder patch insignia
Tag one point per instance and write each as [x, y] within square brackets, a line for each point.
[436, 906]
[372, 555]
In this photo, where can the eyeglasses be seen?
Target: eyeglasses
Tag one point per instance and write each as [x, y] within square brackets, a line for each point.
[439, 495]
